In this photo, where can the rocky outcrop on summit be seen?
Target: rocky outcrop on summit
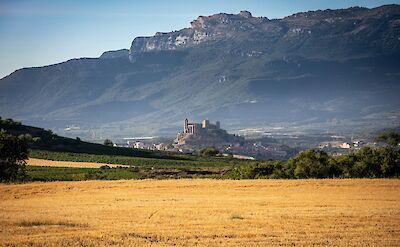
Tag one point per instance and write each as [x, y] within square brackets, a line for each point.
[346, 33]
[204, 28]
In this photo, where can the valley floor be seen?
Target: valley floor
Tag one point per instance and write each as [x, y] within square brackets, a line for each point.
[356, 212]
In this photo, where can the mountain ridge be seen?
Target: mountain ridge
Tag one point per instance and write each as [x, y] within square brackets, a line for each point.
[370, 10]
[207, 28]
[304, 67]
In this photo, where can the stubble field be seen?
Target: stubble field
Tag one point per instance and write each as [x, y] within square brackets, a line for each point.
[201, 212]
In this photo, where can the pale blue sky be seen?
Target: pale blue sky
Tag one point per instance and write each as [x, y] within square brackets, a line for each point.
[42, 32]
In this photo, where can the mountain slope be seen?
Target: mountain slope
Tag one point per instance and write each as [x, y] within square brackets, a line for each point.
[313, 67]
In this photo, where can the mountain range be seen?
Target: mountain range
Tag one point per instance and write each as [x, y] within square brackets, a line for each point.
[327, 70]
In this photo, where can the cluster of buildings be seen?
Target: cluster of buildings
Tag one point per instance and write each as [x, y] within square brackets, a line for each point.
[143, 145]
[343, 145]
[262, 150]
[140, 144]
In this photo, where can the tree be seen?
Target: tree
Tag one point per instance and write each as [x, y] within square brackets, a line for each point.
[13, 153]
[392, 138]
[369, 163]
[390, 154]
[389, 159]
[108, 142]
[9, 121]
[310, 164]
[209, 151]
[345, 164]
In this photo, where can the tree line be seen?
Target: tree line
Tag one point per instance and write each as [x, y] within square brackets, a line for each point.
[383, 162]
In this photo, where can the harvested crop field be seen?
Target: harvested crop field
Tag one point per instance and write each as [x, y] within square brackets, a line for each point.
[42, 162]
[201, 212]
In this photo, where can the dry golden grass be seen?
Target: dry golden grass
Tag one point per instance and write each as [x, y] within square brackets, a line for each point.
[202, 212]
[40, 162]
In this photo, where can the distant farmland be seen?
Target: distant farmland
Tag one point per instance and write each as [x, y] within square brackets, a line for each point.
[357, 212]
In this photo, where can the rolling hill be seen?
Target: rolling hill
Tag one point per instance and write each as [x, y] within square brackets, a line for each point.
[41, 139]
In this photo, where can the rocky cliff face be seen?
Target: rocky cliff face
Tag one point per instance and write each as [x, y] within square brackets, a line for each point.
[340, 33]
[319, 69]
[203, 29]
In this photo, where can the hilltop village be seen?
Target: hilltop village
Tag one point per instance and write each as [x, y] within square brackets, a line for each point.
[196, 136]
[205, 134]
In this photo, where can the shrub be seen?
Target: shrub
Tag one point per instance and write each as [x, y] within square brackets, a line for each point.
[108, 142]
[209, 151]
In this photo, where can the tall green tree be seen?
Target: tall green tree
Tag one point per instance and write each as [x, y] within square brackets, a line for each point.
[390, 155]
[13, 153]
[310, 164]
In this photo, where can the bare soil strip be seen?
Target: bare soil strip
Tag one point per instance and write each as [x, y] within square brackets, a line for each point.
[40, 162]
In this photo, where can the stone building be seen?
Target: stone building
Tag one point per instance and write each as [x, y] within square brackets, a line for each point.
[198, 135]
[191, 128]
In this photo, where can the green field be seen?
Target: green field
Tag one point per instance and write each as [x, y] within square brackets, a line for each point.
[191, 162]
[41, 173]
[46, 173]
[140, 168]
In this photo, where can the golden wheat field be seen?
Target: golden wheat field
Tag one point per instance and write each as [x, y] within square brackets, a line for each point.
[201, 213]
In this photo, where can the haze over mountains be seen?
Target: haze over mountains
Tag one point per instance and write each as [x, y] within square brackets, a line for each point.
[331, 70]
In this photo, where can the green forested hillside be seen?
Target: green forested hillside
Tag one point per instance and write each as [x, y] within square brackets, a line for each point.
[41, 139]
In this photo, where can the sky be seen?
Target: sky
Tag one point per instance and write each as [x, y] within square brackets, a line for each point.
[42, 32]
